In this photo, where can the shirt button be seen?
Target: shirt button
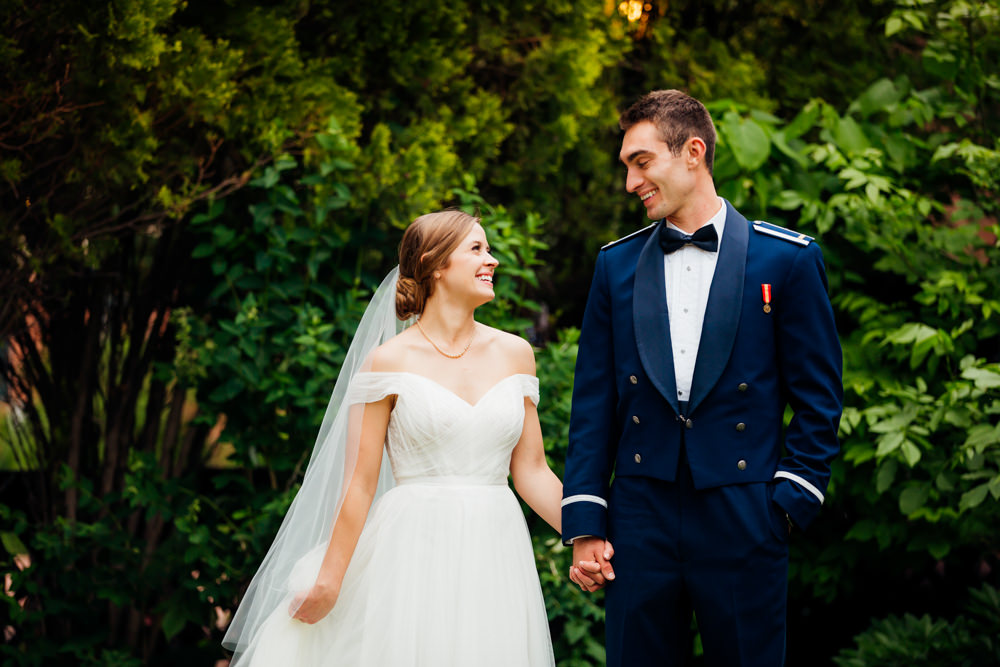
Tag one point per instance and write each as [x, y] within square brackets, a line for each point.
[638, 458]
[743, 386]
[689, 268]
[633, 379]
[741, 464]
[635, 418]
[689, 423]
[741, 427]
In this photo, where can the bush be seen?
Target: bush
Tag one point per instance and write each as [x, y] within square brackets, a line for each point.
[970, 640]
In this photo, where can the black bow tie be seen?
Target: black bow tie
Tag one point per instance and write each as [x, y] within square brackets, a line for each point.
[705, 238]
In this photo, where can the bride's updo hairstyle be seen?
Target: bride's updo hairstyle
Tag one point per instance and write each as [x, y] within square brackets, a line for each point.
[427, 244]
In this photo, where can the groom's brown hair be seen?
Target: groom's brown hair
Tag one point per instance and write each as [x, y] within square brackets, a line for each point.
[677, 117]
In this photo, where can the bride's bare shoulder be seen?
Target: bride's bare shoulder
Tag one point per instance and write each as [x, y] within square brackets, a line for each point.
[392, 355]
[514, 349]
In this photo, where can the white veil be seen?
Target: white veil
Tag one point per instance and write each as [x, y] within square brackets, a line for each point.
[309, 522]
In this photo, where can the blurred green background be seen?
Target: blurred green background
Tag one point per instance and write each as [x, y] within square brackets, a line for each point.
[196, 200]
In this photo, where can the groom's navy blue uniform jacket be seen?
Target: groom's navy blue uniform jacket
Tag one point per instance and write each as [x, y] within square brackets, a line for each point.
[752, 361]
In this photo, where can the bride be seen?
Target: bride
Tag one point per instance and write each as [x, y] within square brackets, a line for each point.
[439, 570]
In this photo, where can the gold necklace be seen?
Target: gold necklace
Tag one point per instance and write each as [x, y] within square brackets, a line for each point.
[434, 345]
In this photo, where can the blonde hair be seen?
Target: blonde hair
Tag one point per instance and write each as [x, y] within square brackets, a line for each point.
[426, 246]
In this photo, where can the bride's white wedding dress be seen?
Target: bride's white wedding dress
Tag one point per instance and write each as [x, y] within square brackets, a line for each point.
[444, 572]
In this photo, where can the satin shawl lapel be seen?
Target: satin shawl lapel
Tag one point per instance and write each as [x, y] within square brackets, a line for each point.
[722, 314]
[651, 320]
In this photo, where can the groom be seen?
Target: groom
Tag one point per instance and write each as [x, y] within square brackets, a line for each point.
[699, 330]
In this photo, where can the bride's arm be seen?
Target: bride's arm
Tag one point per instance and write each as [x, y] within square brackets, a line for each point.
[320, 599]
[542, 490]
[534, 480]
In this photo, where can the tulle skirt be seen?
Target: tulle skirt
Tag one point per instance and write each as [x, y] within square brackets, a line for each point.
[443, 574]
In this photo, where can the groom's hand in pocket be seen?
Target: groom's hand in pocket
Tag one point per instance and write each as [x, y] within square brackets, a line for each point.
[591, 568]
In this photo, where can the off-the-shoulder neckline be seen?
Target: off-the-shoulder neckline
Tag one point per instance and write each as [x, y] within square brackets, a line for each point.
[449, 390]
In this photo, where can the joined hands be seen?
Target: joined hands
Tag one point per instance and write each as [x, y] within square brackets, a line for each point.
[591, 568]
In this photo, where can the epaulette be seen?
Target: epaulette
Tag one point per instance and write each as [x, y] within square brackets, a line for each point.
[781, 232]
[626, 238]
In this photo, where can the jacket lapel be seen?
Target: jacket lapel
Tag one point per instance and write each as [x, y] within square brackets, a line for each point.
[722, 314]
[651, 320]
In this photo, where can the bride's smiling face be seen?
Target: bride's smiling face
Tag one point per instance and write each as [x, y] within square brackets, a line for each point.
[468, 275]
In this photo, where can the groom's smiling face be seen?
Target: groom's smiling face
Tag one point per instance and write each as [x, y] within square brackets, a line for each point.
[664, 182]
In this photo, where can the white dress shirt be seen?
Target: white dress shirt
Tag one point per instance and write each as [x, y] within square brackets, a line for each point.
[688, 274]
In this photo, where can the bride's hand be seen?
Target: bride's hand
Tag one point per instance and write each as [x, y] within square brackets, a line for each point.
[312, 605]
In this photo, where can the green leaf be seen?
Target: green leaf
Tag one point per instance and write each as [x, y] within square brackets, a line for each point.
[779, 142]
[262, 261]
[879, 96]
[302, 235]
[173, 621]
[886, 475]
[893, 25]
[268, 179]
[849, 136]
[939, 550]
[941, 64]
[223, 235]
[910, 453]
[803, 122]
[13, 544]
[215, 209]
[974, 497]
[981, 436]
[945, 481]
[912, 498]
[994, 487]
[748, 141]
[983, 377]
[862, 531]
[788, 200]
[889, 443]
[227, 391]
[203, 250]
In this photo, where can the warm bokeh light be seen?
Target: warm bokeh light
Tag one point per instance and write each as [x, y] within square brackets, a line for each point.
[631, 9]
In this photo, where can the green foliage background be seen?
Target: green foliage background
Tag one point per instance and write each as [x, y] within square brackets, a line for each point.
[198, 201]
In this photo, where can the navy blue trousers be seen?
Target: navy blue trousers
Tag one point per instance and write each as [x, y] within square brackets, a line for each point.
[720, 553]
